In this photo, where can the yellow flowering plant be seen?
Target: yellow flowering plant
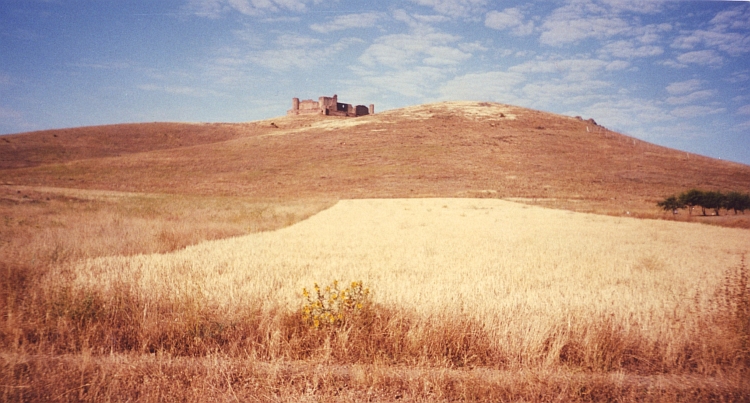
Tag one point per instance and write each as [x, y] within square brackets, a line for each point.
[332, 306]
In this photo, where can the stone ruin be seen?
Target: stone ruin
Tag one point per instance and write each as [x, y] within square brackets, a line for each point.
[328, 106]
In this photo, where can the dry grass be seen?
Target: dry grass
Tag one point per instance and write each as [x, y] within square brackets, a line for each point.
[159, 378]
[108, 291]
[56, 225]
[473, 299]
[436, 150]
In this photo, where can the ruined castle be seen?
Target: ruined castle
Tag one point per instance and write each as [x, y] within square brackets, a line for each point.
[329, 106]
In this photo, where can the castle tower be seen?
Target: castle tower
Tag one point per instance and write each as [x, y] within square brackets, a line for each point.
[295, 105]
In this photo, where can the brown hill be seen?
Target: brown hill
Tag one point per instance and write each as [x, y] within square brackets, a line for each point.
[455, 149]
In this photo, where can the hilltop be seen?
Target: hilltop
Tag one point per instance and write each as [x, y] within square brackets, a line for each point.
[451, 149]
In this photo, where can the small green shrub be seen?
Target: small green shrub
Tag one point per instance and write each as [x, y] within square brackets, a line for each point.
[332, 306]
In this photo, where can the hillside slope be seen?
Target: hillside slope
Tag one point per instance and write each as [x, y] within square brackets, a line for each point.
[453, 149]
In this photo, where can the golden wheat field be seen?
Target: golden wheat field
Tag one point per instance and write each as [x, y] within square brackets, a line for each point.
[525, 273]
[469, 300]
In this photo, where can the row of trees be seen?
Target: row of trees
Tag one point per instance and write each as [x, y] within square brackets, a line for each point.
[707, 200]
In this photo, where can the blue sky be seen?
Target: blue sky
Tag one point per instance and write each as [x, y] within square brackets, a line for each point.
[676, 73]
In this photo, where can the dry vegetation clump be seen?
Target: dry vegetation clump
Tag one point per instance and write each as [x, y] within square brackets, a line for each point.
[478, 300]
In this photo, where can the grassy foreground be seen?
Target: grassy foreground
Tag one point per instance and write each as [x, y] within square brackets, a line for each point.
[476, 300]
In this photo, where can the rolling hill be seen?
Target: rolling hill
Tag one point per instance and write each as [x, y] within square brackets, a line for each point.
[452, 149]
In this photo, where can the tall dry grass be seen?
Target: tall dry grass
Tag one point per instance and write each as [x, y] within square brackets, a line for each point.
[45, 228]
[472, 300]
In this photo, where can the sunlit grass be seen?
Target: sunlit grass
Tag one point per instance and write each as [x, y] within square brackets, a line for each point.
[469, 284]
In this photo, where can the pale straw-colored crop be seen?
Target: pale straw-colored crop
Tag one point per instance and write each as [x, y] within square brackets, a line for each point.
[531, 276]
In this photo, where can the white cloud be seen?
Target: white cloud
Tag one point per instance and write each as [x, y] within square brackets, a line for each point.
[179, 90]
[341, 22]
[683, 87]
[510, 18]
[744, 110]
[692, 111]
[489, 86]
[626, 49]
[736, 18]
[617, 65]
[550, 94]
[205, 8]
[291, 5]
[214, 8]
[728, 32]
[743, 126]
[627, 113]
[691, 97]
[454, 8]
[400, 50]
[430, 19]
[733, 43]
[701, 57]
[296, 41]
[573, 69]
[739, 76]
[638, 6]
[444, 55]
[673, 64]
[418, 82]
[299, 52]
[580, 20]
[471, 47]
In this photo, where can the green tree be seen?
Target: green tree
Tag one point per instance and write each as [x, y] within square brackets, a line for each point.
[737, 201]
[713, 200]
[671, 203]
[691, 198]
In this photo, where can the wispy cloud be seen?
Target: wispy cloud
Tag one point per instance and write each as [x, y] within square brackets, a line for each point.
[570, 69]
[691, 97]
[417, 82]
[683, 87]
[736, 18]
[733, 43]
[110, 65]
[215, 8]
[553, 93]
[702, 57]
[628, 49]
[692, 111]
[296, 51]
[510, 18]
[348, 21]
[634, 113]
[579, 20]
[490, 86]
[180, 90]
[454, 8]
[426, 47]
[637, 6]
[689, 92]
